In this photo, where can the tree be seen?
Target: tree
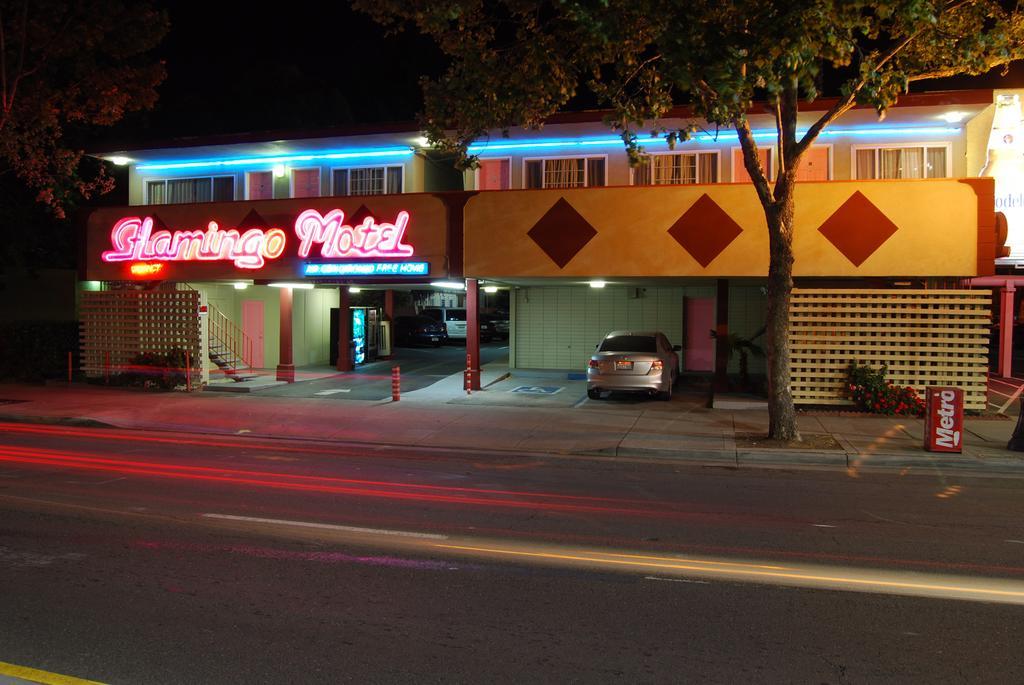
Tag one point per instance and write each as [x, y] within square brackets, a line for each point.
[65, 66]
[516, 62]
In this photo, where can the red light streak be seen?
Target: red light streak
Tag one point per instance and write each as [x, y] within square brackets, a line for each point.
[325, 485]
[99, 433]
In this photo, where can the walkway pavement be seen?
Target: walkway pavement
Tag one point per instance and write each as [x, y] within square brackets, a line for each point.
[536, 413]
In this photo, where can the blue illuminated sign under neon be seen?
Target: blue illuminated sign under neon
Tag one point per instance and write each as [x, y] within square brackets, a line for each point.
[368, 269]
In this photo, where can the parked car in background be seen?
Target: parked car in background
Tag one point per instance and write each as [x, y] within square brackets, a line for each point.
[487, 332]
[419, 330]
[633, 361]
[453, 318]
[499, 325]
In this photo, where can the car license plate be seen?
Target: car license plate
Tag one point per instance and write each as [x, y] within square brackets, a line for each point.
[623, 366]
[433, 338]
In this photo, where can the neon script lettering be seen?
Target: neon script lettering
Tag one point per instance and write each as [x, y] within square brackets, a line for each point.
[337, 240]
[133, 239]
[945, 435]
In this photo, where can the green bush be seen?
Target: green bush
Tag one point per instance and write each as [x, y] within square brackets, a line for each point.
[870, 392]
[163, 371]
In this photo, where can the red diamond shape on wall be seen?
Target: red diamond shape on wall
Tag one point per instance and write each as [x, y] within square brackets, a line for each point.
[359, 216]
[858, 228]
[705, 230]
[562, 232]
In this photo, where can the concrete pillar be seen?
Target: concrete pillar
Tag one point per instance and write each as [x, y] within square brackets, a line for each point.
[1006, 329]
[721, 380]
[389, 315]
[285, 366]
[472, 334]
[344, 330]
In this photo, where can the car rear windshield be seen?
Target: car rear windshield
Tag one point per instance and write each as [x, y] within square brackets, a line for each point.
[456, 314]
[630, 343]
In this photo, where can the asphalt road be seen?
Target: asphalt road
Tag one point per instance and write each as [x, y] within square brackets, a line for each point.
[421, 367]
[169, 558]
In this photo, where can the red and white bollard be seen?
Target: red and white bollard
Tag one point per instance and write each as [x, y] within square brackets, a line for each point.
[396, 384]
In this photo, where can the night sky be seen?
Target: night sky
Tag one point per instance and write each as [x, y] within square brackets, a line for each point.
[235, 68]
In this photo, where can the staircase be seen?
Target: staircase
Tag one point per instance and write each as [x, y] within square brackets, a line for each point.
[230, 347]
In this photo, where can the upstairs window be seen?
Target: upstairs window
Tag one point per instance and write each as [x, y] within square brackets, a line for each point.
[380, 180]
[260, 185]
[570, 172]
[676, 169]
[739, 169]
[305, 182]
[174, 191]
[493, 174]
[901, 161]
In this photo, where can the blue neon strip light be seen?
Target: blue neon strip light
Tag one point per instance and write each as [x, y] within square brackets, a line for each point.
[368, 269]
[279, 159]
[724, 136]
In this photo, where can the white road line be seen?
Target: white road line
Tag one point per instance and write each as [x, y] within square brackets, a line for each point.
[329, 526]
[822, 525]
[678, 580]
[333, 392]
[1016, 542]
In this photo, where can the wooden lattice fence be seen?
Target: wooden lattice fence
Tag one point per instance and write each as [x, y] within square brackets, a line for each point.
[923, 337]
[117, 325]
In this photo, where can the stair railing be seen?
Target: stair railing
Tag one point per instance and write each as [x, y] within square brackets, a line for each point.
[230, 335]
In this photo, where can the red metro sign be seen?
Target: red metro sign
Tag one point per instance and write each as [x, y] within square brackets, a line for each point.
[134, 240]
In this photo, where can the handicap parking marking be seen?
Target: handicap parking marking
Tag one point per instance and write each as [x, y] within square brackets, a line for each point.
[538, 389]
[333, 392]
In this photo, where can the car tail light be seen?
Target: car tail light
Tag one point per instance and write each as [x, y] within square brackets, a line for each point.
[594, 364]
[656, 366]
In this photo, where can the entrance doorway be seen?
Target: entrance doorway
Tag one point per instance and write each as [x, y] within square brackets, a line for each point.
[252, 326]
[699, 315]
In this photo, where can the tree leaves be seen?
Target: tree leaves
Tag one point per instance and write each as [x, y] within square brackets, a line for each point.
[70, 64]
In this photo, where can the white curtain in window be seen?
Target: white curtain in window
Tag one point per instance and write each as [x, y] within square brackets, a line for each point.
[534, 174]
[665, 169]
[912, 162]
[642, 171]
[708, 172]
[185, 190]
[936, 162]
[595, 172]
[889, 164]
[865, 164]
[367, 181]
[394, 181]
[156, 192]
[563, 173]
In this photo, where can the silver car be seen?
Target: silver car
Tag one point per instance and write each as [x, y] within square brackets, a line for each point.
[634, 361]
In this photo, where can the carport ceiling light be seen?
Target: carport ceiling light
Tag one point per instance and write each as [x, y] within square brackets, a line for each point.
[300, 286]
[490, 288]
[597, 284]
[452, 285]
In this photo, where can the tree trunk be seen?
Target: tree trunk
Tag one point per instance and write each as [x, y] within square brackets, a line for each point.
[781, 412]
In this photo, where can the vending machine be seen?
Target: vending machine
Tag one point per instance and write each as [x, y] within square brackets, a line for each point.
[365, 334]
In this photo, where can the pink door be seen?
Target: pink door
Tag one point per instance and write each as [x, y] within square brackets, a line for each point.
[699, 354]
[252, 326]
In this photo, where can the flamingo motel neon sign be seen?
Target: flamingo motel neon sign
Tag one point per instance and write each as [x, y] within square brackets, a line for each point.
[134, 240]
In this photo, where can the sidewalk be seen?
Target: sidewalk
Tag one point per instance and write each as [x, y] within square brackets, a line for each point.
[525, 412]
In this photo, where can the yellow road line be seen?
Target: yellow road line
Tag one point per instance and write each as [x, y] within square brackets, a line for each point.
[840, 580]
[34, 675]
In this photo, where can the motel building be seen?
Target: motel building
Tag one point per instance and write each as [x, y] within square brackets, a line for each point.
[245, 250]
